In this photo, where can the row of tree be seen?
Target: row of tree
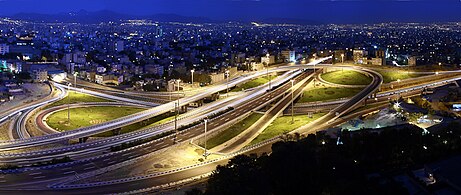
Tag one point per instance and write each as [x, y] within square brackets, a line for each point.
[317, 164]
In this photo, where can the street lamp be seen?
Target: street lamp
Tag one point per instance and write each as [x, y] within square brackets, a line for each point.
[206, 153]
[75, 79]
[292, 117]
[227, 83]
[267, 69]
[175, 121]
[192, 73]
[176, 112]
[68, 103]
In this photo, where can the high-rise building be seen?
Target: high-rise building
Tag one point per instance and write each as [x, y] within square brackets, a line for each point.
[4, 49]
[159, 31]
[289, 56]
[268, 60]
[119, 46]
[380, 53]
[359, 56]
[339, 56]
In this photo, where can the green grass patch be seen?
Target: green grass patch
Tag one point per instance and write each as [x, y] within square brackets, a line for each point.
[394, 75]
[283, 125]
[254, 83]
[347, 77]
[157, 120]
[87, 116]
[327, 93]
[233, 131]
[76, 97]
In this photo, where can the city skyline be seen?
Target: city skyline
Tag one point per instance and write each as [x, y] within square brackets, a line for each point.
[224, 97]
[316, 11]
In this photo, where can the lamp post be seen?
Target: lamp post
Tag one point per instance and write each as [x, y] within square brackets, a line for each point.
[175, 121]
[206, 153]
[179, 80]
[267, 69]
[68, 103]
[176, 112]
[227, 83]
[75, 79]
[292, 111]
[192, 74]
[342, 58]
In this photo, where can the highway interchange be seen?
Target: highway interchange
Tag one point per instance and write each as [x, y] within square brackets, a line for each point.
[95, 157]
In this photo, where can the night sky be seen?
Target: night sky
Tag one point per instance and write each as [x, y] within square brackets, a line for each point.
[325, 11]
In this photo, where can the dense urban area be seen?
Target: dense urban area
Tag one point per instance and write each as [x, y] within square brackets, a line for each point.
[140, 107]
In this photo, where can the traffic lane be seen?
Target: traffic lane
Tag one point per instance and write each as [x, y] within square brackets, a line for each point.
[266, 117]
[121, 157]
[164, 179]
[83, 132]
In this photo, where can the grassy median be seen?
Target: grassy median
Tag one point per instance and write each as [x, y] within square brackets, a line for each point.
[76, 97]
[283, 125]
[327, 93]
[394, 75]
[254, 83]
[347, 77]
[87, 116]
[233, 131]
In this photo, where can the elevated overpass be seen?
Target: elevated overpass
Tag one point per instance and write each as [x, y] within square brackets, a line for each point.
[124, 121]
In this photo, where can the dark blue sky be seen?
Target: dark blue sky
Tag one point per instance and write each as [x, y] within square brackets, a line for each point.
[327, 11]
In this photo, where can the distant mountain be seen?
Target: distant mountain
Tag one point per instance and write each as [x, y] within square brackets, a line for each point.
[290, 21]
[84, 16]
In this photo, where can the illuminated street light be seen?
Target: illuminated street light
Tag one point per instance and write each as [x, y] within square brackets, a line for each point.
[68, 103]
[75, 79]
[192, 73]
[227, 83]
[176, 112]
[292, 117]
[206, 152]
[267, 70]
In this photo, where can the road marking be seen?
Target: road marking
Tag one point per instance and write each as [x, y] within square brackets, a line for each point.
[2, 181]
[126, 154]
[89, 168]
[107, 159]
[38, 173]
[69, 172]
[227, 119]
[88, 164]
[39, 177]
[111, 162]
